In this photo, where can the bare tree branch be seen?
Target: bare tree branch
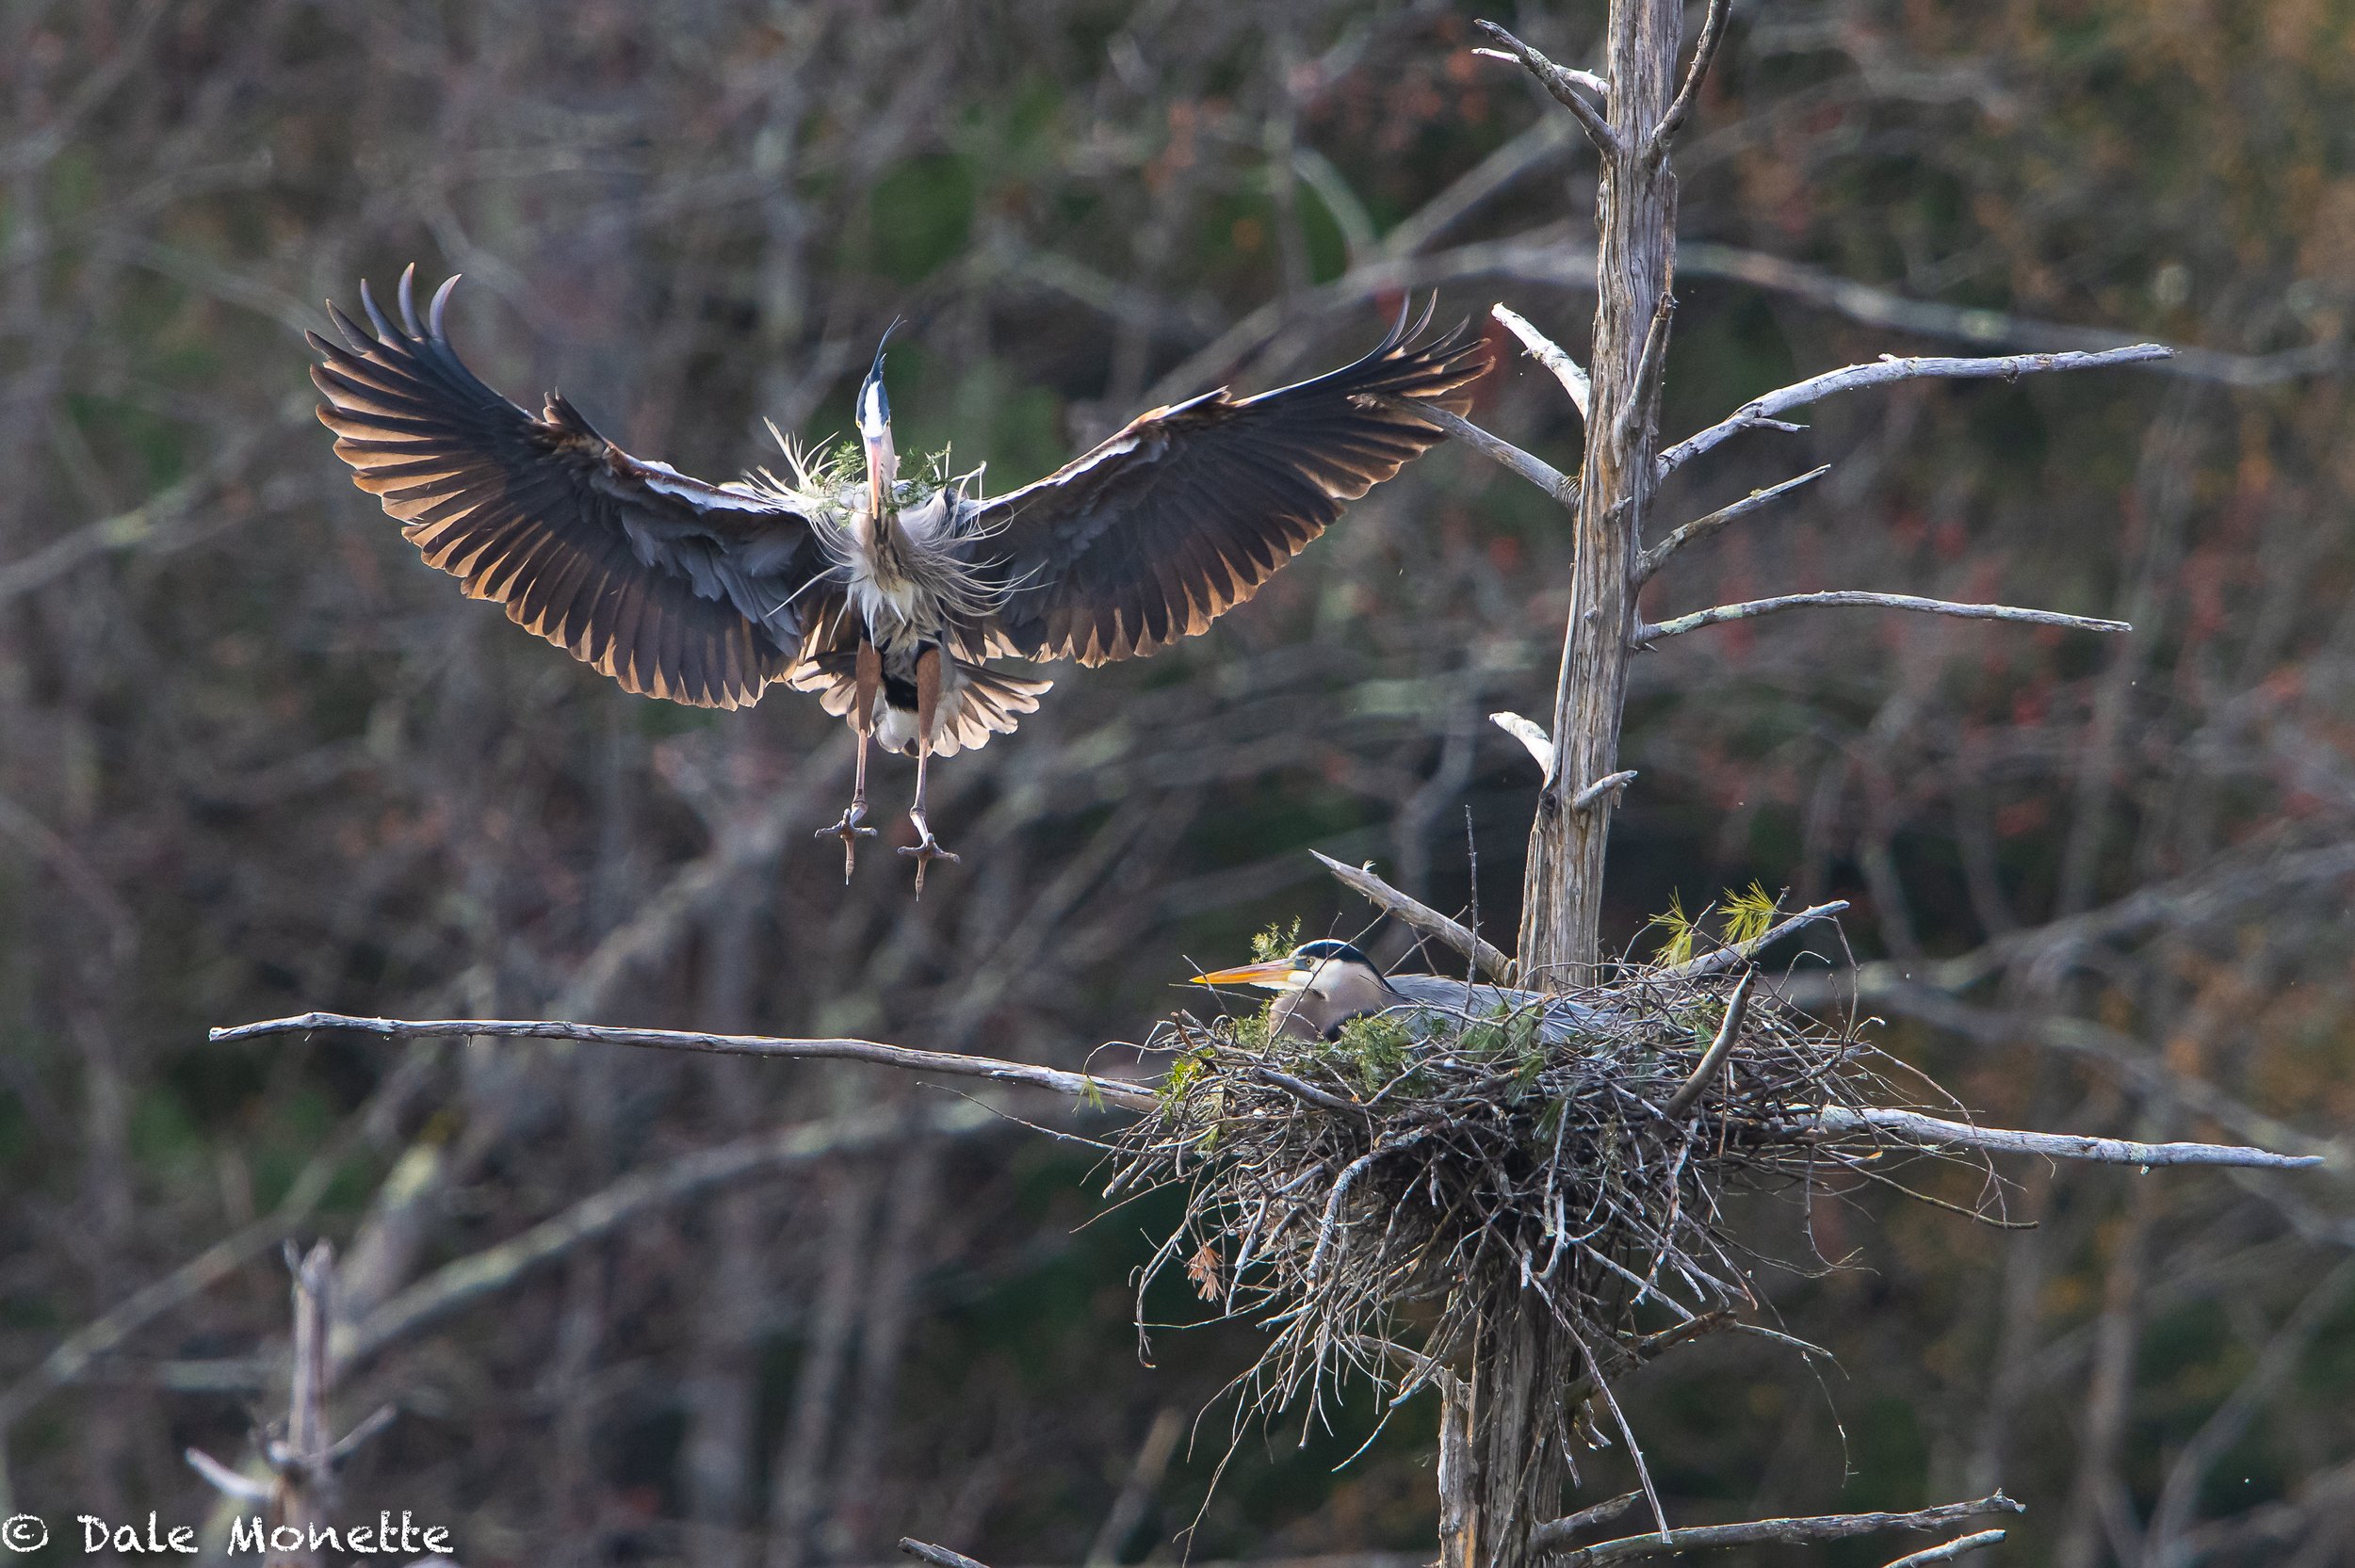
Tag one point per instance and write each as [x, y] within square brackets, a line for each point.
[1741, 952]
[1851, 598]
[1081, 1085]
[1713, 33]
[1948, 1553]
[1545, 351]
[233, 1484]
[1558, 1531]
[1308, 1091]
[1562, 84]
[1928, 1130]
[1535, 468]
[1547, 256]
[1851, 378]
[1802, 1531]
[1599, 85]
[1533, 737]
[939, 1557]
[1936, 1132]
[303, 1459]
[1609, 784]
[1886, 985]
[1421, 916]
[1715, 1058]
[1699, 528]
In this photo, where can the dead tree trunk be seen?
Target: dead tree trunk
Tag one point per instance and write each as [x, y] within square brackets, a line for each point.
[1635, 220]
[1514, 1422]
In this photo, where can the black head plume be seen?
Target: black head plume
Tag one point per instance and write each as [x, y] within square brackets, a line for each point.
[1331, 950]
[874, 408]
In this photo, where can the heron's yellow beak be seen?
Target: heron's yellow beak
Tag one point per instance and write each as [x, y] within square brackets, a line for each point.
[1281, 975]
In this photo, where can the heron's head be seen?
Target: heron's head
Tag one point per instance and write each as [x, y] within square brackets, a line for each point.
[874, 432]
[1324, 984]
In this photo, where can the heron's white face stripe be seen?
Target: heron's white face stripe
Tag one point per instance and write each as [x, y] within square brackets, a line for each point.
[874, 410]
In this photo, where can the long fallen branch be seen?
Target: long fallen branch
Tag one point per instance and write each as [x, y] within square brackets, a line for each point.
[1083, 1085]
[1926, 1132]
[1798, 1532]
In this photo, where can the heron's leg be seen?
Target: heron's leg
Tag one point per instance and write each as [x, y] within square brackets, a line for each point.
[863, 723]
[926, 849]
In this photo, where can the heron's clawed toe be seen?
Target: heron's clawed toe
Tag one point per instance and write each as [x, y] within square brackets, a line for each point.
[850, 833]
[925, 850]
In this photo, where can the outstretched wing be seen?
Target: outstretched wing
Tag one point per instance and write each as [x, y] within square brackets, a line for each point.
[1183, 514]
[676, 588]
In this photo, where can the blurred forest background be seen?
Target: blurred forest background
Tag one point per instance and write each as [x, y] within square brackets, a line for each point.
[255, 759]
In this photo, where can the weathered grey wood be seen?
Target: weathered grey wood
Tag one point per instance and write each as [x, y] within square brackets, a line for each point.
[1801, 1531]
[955, 1064]
[1635, 220]
[1459, 1502]
[1528, 1358]
[1423, 917]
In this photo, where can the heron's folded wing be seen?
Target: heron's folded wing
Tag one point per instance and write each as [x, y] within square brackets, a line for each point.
[667, 584]
[1183, 514]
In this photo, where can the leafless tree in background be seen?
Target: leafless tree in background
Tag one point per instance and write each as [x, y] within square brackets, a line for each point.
[250, 757]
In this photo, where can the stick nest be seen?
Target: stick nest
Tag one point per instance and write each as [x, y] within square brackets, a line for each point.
[1367, 1198]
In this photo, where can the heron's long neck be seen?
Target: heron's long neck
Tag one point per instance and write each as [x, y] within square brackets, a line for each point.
[880, 537]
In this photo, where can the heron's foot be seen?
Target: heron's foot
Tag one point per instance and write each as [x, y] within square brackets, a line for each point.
[850, 833]
[925, 850]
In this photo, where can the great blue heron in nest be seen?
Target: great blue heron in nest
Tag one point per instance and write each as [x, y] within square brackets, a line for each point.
[882, 594]
[1324, 985]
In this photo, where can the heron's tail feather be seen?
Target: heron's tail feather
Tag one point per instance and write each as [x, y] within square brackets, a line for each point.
[988, 704]
[981, 702]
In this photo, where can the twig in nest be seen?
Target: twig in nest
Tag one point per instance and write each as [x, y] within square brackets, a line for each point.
[1719, 1048]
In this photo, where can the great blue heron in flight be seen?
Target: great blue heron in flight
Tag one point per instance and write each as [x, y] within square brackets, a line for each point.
[878, 592]
[1326, 984]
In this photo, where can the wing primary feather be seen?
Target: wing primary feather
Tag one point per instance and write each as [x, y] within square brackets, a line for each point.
[376, 317]
[441, 307]
[408, 302]
[628, 566]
